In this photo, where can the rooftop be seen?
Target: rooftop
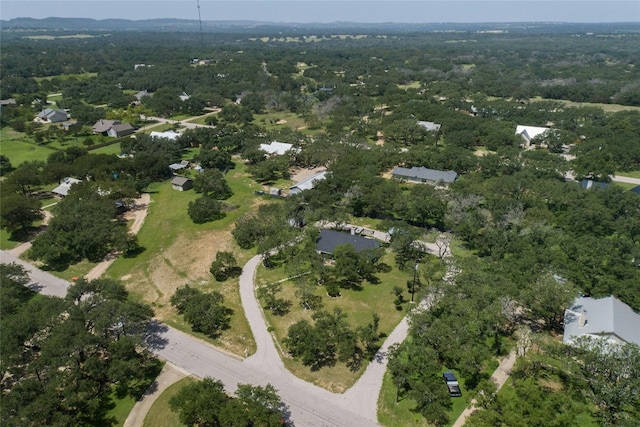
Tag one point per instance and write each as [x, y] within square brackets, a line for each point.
[607, 318]
[425, 174]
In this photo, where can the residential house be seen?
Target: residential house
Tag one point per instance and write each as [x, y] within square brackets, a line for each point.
[53, 116]
[181, 183]
[307, 184]
[330, 239]
[138, 96]
[607, 318]
[169, 134]
[8, 101]
[276, 148]
[184, 96]
[424, 175]
[528, 133]
[62, 190]
[430, 126]
[113, 128]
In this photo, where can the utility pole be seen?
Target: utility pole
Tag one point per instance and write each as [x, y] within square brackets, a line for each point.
[200, 21]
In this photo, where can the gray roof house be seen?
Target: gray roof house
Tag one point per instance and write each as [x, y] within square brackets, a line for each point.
[53, 116]
[181, 183]
[113, 128]
[605, 318]
[330, 239]
[430, 126]
[423, 174]
[307, 184]
[64, 187]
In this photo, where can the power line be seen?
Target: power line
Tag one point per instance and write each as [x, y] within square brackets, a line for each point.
[200, 21]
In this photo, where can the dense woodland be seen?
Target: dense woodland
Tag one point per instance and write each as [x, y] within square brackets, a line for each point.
[531, 239]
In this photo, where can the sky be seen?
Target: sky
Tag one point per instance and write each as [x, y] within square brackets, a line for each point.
[326, 11]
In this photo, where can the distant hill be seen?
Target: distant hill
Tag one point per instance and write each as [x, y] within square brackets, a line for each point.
[186, 25]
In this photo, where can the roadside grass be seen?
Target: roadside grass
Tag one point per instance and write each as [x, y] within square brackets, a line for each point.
[624, 185]
[121, 409]
[6, 241]
[631, 174]
[160, 414]
[19, 148]
[358, 305]
[177, 252]
[396, 412]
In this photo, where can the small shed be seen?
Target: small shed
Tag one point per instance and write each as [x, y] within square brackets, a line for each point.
[181, 183]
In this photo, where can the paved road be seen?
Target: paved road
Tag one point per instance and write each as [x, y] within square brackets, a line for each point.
[626, 179]
[41, 281]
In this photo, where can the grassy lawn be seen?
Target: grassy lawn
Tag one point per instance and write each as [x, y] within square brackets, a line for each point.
[109, 149]
[624, 185]
[609, 108]
[160, 415]
[270, 120]
[393, 412]
[63, 77]
[121, 410]
[18, 147]
[178, 252]
[358, 305]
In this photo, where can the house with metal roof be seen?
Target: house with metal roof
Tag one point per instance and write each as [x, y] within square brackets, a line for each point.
[64, 187]
[424, 175]
[169, 134]
[604, 318]
[307, 184]
[430, 126]
[53, 116]
[277, 148]
[527, 133]
[181, 183]
[330, 239]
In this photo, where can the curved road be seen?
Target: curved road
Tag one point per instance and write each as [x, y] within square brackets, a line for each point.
[307, 404]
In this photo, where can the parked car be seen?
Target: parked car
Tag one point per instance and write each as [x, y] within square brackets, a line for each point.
[452, 384]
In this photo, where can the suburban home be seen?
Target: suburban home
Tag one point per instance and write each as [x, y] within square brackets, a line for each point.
[138, 96]
[8, 101]
[330, 239]
[184, 96]
[307, 184]
[605, 318]
[53, 116]
[430, 126]
[527, 133]
[181, 183]
[277, 148]
[424, 175]
[179, 166]
[62, 190]
[113, 128]
[169, 134]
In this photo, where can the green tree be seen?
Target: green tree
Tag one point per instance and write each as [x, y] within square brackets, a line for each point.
[19, 212]
[205, 209]
[225, 266]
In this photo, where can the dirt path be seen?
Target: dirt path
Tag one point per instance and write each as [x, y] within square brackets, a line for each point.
[499, 377]
[138, 213]
[170, 375]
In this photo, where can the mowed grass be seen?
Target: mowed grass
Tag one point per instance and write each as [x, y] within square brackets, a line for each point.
[270, 120]
[177, 252]
[160, 415]
[358, 305]
[609, 108]
[395, 411]
[19, 148]
[631, 174]
[109, 149]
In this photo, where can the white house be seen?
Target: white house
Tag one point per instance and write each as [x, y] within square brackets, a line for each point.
[605, 318]
[529, 132]
[64, 187]
[430, 126]
[169, 134]
[308, 183]
[277, 148]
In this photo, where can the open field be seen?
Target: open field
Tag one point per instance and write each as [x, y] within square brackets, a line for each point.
[18, 147]
[65, 76]
[358, 305]
[631, 174]
[609, 108]
[178, 252]
[277, 120]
